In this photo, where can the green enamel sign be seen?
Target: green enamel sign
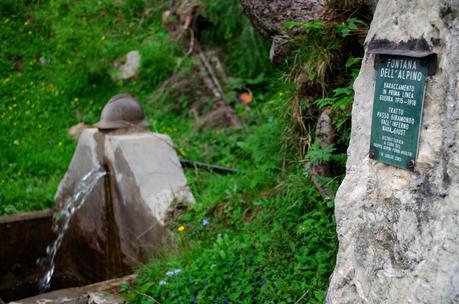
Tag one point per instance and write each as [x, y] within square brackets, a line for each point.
[397, 110]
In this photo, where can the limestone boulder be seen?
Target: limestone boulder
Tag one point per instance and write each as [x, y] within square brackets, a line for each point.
[398, 230]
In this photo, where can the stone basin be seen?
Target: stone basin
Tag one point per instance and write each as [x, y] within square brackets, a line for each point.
[120, 226]
[24, 239]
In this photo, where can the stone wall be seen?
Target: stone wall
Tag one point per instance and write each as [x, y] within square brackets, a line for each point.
[398, 230]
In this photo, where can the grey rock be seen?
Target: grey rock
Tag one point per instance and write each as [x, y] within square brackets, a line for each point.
[104, 298]
[127, 211]
[128, 66]
[147, 179]
[105, 292]
[398, 230]
[268, 16]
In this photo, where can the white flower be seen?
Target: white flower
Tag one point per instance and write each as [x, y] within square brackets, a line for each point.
[177, 271]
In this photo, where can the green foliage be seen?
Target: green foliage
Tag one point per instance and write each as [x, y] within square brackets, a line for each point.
[312, 52]
[55, 70]
[231, 30]
[317, 60]
[269, 240]
[341, 100]
[315, 44]
[350, 26]
[317, 155]
[270, 235]
[157, 63]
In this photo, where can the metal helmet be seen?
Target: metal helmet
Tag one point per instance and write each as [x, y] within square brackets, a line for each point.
[122, 111]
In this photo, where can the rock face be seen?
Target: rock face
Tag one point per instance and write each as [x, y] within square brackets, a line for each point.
[398, 230]
[123, 219]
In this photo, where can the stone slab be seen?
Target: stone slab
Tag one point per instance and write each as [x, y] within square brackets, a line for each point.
[147, 180]
[124, 218]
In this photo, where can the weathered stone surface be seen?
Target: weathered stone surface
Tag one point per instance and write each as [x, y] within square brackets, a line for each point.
[268, 16]
[128, 67]
[88, 229]
[147, 179]
[398, 230]
[105, 292]
[104, 298]
[123, 220]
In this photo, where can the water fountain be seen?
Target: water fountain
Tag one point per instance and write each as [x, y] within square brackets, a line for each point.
[122, 223]
[61, 223]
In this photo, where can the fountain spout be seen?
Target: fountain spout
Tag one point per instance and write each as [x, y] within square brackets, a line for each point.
[62, 220]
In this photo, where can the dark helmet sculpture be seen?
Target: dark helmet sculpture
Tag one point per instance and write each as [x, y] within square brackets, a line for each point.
[122, 111]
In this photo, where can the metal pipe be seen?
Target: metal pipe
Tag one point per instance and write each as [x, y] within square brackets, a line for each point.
[209, 167]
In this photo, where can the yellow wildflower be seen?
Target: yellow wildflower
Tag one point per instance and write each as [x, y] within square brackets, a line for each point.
[181, 228]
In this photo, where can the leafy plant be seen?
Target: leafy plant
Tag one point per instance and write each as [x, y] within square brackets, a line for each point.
[263, 235]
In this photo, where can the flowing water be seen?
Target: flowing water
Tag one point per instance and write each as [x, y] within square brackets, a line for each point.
[61, 223]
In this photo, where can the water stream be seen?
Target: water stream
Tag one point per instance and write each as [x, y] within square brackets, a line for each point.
[61, 223]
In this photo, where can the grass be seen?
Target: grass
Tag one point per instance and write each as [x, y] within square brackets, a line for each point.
[263, 235]
[55, 72]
